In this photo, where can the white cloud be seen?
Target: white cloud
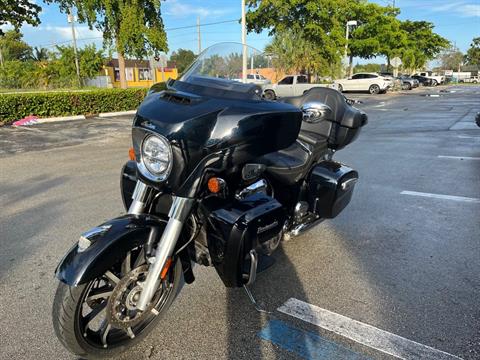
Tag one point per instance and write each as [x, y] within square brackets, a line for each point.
[65, 32]
[461, 8]
[469, 10]
[177, 9]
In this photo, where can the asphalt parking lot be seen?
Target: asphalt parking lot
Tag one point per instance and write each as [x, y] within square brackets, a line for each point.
[403, 260]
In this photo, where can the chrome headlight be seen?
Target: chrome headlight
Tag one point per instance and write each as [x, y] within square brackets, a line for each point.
[156, 157]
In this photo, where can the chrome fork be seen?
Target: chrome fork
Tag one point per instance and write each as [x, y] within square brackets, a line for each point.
[177, 215]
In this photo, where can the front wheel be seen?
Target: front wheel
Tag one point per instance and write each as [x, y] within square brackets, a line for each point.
[340, 88]
[99, 319]
[434, 83]
[269, 95]
[374, 89]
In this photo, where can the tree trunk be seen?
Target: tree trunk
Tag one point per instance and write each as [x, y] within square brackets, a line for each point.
[350, 66]
[388, 64]
[121, 67]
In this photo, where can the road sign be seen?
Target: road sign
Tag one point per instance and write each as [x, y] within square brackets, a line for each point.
[396, 62]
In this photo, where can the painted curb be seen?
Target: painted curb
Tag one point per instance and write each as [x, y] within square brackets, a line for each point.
[81, 117]
[118, 113]
[60, 118]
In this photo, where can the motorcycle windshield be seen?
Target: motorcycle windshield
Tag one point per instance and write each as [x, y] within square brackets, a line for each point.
[228, 67]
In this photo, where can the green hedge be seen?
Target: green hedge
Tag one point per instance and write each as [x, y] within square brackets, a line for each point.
[49, 104]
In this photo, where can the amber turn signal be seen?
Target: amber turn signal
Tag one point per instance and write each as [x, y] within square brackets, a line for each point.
[215, 185]
[131, 154]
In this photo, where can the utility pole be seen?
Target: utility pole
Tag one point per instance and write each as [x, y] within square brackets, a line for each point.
[71, 20]
[244, 43]
[198, 35]
[1, 57]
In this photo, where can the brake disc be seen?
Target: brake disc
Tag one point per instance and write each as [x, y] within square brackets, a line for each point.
[121, 309]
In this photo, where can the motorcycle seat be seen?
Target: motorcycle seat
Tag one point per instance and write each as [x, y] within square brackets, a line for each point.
[291, 164]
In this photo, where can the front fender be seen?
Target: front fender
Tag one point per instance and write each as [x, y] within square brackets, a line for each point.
[124, 233]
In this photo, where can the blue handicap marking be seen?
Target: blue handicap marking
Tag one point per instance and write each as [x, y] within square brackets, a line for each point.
[305, 344]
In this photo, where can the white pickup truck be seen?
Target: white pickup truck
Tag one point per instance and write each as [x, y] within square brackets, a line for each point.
[436, 79]
[290, 85]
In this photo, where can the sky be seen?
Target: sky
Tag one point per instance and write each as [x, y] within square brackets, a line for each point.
[457, 20]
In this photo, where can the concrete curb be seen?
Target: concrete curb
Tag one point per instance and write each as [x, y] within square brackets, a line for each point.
[81, 117]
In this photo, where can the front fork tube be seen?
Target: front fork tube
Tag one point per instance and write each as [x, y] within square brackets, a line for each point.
[179, 212]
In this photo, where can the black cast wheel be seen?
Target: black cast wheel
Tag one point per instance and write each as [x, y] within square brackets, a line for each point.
[99, 319]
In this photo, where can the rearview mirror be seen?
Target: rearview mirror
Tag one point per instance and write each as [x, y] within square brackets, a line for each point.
[314, 112]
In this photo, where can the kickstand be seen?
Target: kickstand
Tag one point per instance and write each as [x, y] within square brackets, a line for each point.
[258, 307]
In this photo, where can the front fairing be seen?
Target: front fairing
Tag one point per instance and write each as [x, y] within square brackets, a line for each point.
[211, 129]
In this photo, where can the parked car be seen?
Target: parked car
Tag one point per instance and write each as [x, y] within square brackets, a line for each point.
[436, 79]
[423, 80]
[290, 85]
[371, 82]
[255, 79]
[477, 119]
[408, 83]
[473, 79]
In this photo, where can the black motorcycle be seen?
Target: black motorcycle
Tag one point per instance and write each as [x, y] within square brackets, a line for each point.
[218, 176]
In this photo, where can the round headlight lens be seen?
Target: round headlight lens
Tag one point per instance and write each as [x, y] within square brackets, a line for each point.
[157, 155]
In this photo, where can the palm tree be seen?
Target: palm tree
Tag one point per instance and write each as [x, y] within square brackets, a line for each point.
[40, 54]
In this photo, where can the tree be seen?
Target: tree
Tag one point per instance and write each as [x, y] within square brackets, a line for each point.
[40, 54]
[365, 41]
[367, 68]
[17, 12]
[183, 58]
[91, 61]
[422, 43]
[12, 47]
[134, 27]
[292, 52]
[321, 22]
[451, 59]
[473, 53]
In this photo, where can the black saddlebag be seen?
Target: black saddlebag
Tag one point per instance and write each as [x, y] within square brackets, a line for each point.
[330, 188]
[235, 229]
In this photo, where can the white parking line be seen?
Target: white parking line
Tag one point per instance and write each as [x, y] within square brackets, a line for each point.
[458, 157]
[441, 196]
[365, 334]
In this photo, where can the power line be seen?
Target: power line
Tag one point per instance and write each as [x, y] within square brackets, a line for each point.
[169, 29]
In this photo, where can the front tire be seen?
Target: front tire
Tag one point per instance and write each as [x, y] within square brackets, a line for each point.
[73, 329]
[434, 82]
[374, 89]
[340, 88]
[269, 95]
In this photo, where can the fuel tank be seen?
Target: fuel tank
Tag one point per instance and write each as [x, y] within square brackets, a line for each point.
[214, 129]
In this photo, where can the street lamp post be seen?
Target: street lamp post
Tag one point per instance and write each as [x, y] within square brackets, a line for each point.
[347, 34]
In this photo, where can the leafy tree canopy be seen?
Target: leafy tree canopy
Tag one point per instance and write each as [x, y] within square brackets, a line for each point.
[422, 43]
[451, 59]
[183, 58]
[17, 12]
[13, 47]
[473, 53]
[135, 27]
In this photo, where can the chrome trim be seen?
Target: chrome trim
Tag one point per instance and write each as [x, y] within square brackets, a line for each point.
[139, 197]
[300, 229]
[178, 213]
[315, 111]
[253, 267]
[349, 183]
[142, 167]
[260, 185]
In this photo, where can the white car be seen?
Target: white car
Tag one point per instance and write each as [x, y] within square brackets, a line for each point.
[255, 79]
[371, 82]
[290, 85]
